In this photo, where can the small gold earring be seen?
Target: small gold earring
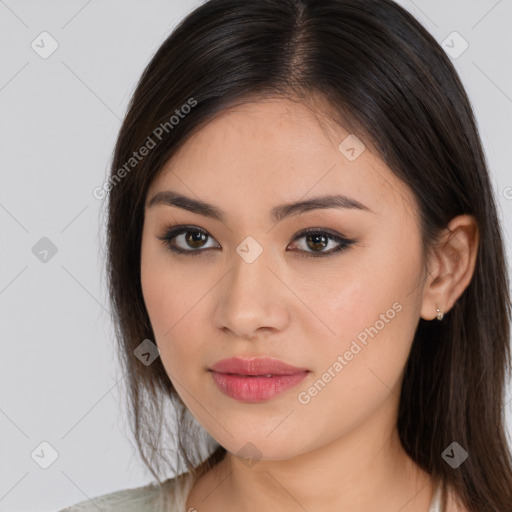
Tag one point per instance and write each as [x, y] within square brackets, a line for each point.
[440, 315]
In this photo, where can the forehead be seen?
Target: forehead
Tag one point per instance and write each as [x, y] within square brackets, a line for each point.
[262, 153]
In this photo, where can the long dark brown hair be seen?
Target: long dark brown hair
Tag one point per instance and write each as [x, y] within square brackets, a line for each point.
[387, 80]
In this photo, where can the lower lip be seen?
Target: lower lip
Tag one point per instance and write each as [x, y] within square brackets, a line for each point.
[255, 389]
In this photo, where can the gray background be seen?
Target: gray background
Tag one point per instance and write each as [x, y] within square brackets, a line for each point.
[59, 379]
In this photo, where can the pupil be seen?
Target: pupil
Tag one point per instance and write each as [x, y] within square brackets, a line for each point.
[316, 242]
[195, 238]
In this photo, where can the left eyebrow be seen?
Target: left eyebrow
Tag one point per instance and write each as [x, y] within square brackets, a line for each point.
[277, 213]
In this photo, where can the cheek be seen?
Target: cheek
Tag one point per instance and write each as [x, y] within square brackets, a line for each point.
[360, 372]
[174, 307]
[164, 289]
[374, 316]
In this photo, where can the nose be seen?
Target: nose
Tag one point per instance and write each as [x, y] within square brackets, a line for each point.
[252, 299]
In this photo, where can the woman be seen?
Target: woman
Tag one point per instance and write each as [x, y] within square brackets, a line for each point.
[306, 262]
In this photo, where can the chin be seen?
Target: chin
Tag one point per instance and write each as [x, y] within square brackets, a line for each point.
[251, 449]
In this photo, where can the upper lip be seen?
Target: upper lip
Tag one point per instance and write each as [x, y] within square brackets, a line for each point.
[255, 366]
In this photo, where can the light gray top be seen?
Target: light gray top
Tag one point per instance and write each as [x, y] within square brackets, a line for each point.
[170, 497]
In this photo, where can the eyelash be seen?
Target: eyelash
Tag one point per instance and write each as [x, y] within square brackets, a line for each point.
[173, 232]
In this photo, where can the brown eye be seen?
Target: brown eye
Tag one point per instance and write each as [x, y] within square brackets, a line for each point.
[195, 238]
[316, 241]
[187, 240]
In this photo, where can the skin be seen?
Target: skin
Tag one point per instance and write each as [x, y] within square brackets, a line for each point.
[341, 450]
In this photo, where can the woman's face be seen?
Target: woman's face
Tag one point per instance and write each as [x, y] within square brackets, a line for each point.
[251, 285]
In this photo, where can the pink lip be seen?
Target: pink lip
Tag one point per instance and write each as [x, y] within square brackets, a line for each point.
[255, 366]
[244, 379]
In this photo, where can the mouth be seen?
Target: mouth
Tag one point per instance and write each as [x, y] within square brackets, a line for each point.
[255, 380]
[255, 367]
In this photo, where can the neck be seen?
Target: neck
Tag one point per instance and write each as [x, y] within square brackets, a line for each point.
[365, 469]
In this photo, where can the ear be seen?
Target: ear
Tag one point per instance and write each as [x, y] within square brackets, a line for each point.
[451, 266]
